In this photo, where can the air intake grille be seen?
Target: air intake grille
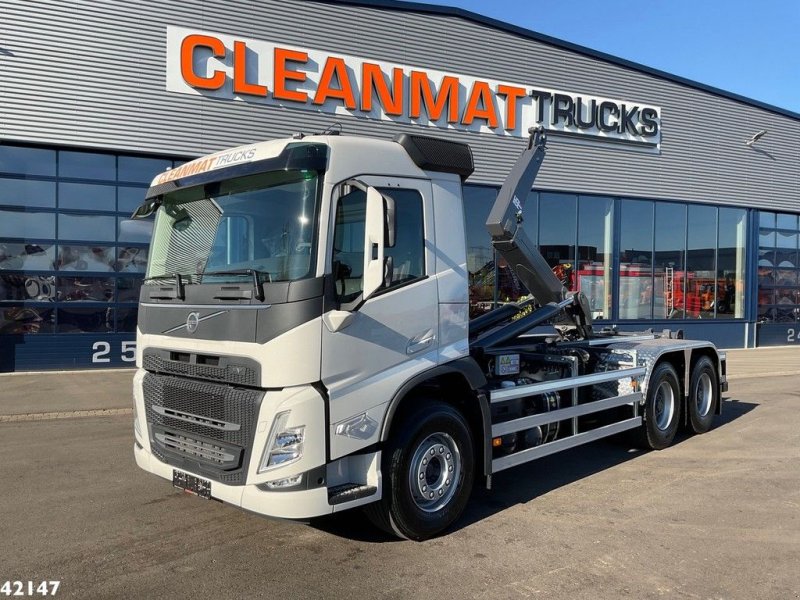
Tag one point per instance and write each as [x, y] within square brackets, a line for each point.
[200, 425]
[220, 455]
[232, 373]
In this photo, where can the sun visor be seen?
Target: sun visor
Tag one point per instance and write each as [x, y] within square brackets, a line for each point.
[434, 154]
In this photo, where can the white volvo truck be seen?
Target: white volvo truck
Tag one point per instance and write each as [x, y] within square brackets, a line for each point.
[304, 345]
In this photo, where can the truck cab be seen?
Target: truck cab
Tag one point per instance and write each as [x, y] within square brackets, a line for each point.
[274, 295]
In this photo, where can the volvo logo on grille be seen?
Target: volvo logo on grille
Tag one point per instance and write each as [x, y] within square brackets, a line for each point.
[192, 321]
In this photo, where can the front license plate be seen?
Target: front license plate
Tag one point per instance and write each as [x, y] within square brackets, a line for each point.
[190, 483]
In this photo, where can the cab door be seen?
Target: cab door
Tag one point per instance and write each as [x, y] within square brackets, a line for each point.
[392, 335]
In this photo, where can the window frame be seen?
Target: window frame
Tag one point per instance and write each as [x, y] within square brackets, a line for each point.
[385, 190]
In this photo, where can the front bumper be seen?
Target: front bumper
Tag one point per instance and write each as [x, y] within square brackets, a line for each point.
[302, 504]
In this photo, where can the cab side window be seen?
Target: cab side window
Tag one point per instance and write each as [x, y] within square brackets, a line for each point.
[407, 254]
[348, 245]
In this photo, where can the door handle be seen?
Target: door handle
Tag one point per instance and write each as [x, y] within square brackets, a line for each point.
[415, 344]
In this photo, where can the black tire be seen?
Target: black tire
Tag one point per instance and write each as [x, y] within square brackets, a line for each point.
[432, 426]
[662, 409]
[703, 395]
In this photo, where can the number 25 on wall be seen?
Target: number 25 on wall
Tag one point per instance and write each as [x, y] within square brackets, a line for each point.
[102, 350]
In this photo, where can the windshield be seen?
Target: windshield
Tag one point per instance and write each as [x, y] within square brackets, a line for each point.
[219, 232]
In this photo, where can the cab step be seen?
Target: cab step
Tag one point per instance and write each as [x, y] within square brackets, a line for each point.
[350, 491]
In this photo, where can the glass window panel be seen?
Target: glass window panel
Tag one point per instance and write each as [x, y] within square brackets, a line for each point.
[131, 259]
[595, 224]
[348, 244]
[731, 259]
[636, 259]
[85, 258]
[86, 227]
[28, 192]
[128, 289]
[766, 238]
[17, 320]
[785, 239]
[136, 232]
[126, 319]
[786, 310]
[85, 289]
[408, 253]
[766, 258]
[766, 275]
[73, 319]
[786, 277]
[701, 242]
[785, 258]
[87, 165]
[27, 161]
[785, 221]
[478, 202]
[669, 261]
[86, 196]
[27, 257]
[558, 224]
[129, 198]
[141, 170]
[18, 224]
[27, 288]
[766, 313]
[766, 219]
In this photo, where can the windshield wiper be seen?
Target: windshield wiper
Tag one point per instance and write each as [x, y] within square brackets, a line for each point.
[254, 273]
[179, 294]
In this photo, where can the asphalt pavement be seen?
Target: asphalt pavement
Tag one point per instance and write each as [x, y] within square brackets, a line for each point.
[714, 516]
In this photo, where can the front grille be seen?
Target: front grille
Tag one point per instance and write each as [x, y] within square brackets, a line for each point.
[224, 456]
[231, 373]
[201, 426]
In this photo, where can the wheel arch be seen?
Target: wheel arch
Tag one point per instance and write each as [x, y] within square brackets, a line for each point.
[460, 383]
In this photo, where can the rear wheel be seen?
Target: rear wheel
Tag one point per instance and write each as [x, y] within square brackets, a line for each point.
[703, 395]
[662, 408]
[427, 472]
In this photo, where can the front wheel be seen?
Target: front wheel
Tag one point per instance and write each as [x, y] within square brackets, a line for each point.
[427, 472]
[662, 408]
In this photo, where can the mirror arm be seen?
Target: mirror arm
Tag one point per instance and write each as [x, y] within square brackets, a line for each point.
[147, 208]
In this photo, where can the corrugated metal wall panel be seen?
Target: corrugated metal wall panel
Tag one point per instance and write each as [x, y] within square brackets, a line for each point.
[92, 74]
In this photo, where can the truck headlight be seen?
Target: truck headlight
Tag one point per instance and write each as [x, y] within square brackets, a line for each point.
[284, 444]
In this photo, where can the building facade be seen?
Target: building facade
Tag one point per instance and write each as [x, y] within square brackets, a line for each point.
[650, 200]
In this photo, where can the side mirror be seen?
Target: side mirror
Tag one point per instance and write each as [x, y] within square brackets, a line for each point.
[375, 227]
[136, 231]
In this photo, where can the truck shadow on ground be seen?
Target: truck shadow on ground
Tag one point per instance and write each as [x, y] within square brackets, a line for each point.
[526, 482]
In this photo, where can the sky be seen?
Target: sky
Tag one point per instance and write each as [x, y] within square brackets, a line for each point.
[749, 47]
